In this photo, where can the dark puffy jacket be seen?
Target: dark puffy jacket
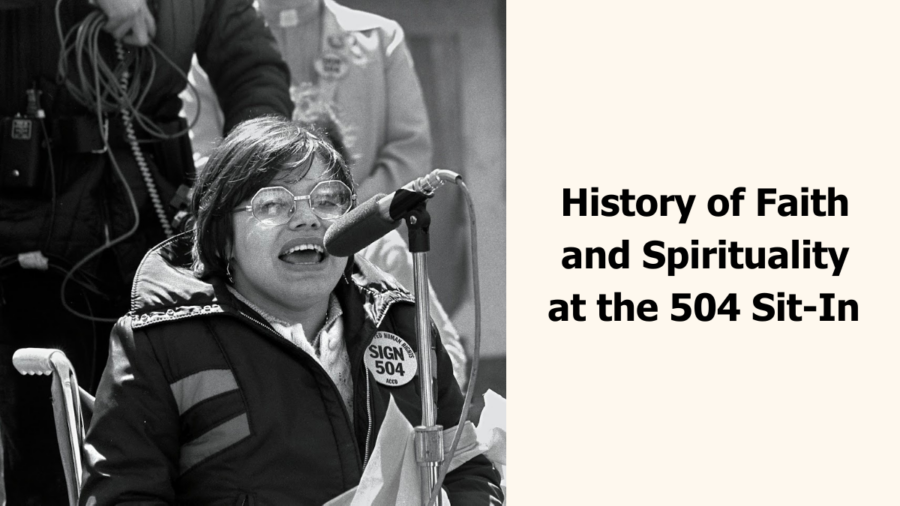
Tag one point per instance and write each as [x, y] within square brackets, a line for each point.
[202, 402]
[232, 44]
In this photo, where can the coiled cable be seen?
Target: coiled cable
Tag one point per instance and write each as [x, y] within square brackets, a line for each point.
[106, 91]
[139, 155]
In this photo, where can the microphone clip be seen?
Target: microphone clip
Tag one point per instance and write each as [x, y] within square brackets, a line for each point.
[418, 220]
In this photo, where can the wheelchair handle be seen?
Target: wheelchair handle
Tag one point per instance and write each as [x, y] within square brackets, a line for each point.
[65, 393]
[44, 361]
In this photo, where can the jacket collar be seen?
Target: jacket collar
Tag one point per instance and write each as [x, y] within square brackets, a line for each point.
[352, 20]
[335, 16]
[165, 288]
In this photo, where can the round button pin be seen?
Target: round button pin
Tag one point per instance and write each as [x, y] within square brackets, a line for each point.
[331, 66]
[391, 360]
[336, 41]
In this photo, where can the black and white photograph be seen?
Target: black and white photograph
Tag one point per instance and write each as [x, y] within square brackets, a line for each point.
[253, 253]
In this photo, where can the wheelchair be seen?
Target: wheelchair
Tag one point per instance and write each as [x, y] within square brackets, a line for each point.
[72, 408]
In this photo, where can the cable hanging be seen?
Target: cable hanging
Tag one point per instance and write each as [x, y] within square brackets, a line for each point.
[104, 90]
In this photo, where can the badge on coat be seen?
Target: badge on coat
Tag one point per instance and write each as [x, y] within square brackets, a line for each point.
[391, 360]
[331, 66]
[337, 41]
[288, 18]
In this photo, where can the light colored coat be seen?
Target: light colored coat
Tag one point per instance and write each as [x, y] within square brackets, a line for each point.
[377, 97]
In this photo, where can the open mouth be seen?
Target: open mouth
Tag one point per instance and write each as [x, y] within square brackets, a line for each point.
[303, 254]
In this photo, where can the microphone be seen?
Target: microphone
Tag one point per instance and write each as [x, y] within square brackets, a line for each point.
[381, 214]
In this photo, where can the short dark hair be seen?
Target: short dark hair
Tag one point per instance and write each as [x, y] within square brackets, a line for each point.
[324, 120]
[248, 159]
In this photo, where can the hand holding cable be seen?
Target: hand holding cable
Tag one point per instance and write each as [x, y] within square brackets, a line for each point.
[129, 21]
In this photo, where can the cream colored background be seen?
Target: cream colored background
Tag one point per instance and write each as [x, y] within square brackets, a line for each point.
[696, 97]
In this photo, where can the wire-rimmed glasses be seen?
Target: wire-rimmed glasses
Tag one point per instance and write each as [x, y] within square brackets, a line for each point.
[274, 205]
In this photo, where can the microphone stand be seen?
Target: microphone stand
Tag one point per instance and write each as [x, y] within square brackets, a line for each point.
[429, 439]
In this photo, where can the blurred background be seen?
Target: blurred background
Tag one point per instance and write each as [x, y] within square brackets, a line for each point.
[459, 48]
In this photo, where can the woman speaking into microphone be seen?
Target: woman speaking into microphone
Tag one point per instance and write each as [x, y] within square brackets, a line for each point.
[248, 369]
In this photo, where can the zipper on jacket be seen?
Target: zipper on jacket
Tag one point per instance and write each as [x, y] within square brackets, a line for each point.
[347, 414]
[334, 387]
[365, 370]
[369, 416]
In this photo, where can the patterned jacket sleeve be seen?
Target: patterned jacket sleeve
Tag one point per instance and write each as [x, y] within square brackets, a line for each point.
[131, 448]
[241, 58]
[406, 151]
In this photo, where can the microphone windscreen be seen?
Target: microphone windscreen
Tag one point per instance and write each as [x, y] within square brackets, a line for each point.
[358, 229]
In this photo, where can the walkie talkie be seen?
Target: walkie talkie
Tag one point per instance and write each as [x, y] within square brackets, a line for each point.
[20, 144]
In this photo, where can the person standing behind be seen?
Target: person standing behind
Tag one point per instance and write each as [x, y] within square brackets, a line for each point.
[75, 215]
[359, 63]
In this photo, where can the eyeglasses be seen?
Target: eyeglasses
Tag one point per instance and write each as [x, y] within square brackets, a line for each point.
[274, 205]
